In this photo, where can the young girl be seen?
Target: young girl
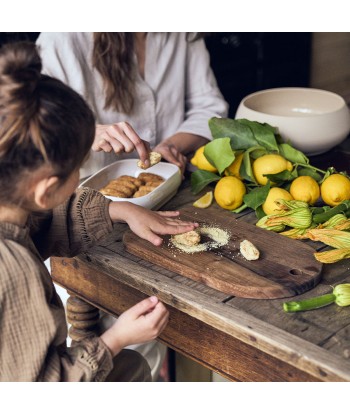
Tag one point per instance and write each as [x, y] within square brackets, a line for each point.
[46, 131]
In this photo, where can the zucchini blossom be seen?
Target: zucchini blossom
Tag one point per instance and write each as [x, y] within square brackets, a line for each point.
[334, 255]
[296, 233]
[339, 222]
[299, 217]
[262, 224]
[331, 237]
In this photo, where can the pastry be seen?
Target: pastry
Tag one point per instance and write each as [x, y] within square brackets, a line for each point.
[154, 158]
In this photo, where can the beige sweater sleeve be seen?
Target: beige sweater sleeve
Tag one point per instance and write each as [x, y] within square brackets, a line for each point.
[33, 328]
[76, 225]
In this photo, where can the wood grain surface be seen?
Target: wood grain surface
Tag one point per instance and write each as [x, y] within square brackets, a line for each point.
[285, 268]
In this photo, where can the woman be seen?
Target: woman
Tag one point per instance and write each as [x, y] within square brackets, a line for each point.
[161, 84]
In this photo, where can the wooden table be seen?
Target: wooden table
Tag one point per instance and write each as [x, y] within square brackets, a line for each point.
[241, 339]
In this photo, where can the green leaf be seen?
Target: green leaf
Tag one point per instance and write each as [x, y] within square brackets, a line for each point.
[241, 136]
[201, 178]
[259, 212]
[292, 154]
[257, 196]
[329, 171]
[283, 176]
[246, 170]
[264, 134]
[309, 171]
[219, 153]
[254, 154]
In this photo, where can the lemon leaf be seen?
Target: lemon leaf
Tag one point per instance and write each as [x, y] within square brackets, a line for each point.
[201, 178]
[257, 196]
[246, 170]
[263, 133]
[282, 177]
[219, 153]
[292, 154]
[305, 171]
[204, 201]
[241, 136]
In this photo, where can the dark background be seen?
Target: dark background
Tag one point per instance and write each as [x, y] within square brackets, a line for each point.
[245, 62]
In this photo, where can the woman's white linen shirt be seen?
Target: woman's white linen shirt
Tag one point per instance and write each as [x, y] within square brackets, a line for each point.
[179, 92]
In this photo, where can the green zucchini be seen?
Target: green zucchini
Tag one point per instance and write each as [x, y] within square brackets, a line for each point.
[326, 215]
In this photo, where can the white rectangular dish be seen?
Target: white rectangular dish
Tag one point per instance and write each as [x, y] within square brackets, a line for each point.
[153, 200]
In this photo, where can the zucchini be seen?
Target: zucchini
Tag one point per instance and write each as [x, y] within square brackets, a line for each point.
[326, 215]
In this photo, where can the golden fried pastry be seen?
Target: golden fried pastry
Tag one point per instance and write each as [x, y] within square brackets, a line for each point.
[154, 158]
[115, 184]
[141, 193]
[146, 187]
[191, 238]
[113, 192]
[128, 186]
[154, 183]
[149, 177]
[135, 180]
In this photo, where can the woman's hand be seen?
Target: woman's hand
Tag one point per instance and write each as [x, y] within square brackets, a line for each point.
[141, 323]
[148, 224]
[120, 138]
[171, 154]
[175, 148]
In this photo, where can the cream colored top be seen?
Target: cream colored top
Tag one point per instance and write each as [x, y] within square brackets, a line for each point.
[179, 92]
[33, 328]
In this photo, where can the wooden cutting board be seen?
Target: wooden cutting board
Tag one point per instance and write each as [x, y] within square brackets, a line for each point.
[286, 267]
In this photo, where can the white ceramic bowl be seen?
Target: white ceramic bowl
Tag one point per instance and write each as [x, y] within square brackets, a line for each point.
[155, 199]
[313, 120]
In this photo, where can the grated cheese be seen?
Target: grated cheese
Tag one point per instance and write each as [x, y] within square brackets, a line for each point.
[219, 237]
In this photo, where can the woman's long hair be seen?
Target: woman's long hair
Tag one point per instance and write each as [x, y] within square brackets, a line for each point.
[113, 57]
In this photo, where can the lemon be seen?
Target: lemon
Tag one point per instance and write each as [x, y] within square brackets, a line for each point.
[233, 169]
[269, 206]
[199, 160]
[229, 192]
[269, 164]
[306, 189]
[335, 189]
[204, 201]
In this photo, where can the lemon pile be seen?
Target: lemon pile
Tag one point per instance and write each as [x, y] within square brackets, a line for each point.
[230, 189]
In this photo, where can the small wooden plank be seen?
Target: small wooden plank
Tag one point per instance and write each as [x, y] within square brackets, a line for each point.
[285, 268]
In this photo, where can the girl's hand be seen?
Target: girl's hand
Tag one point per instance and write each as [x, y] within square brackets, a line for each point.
[141, 323]
[171, 154]
[120, 138]
[148, 224]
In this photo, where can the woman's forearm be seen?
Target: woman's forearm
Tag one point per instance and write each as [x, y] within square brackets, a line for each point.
[186, 142]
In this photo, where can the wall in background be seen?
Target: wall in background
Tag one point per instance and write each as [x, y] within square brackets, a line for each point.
[330, 63]
[247, 62]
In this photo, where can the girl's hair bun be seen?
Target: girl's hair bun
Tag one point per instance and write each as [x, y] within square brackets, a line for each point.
[20, 68]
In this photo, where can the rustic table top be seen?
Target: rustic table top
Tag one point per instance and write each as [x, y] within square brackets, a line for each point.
[242, 339]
